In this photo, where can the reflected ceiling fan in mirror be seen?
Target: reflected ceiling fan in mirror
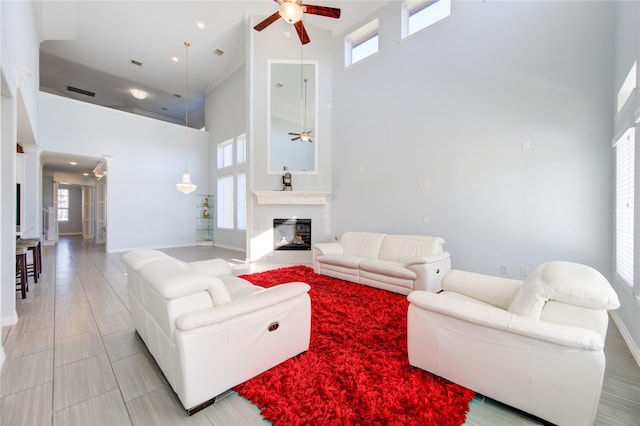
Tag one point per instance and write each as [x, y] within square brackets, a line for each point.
[292, 11]
[304, 135]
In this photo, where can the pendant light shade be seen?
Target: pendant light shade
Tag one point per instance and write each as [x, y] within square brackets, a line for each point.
[186, 186]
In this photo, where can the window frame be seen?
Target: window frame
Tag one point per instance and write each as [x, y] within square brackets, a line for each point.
[359, 37]
[625, 172]
[61, 207]
[412, 8]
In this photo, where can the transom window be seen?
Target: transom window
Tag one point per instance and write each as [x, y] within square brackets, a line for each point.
[361, 43]
[418, 15]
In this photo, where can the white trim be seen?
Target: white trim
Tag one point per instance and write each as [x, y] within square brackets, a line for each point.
[626, 335]
[11, 319]
[292, 197]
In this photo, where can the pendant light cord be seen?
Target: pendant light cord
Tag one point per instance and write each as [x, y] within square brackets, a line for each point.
[186, 120]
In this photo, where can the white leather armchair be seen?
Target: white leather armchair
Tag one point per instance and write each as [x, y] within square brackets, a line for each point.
[208, 330]
[535, 345]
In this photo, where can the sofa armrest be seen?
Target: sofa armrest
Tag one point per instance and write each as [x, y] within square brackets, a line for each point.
[328, 248]
[470, 310]
[241, 306]
[431, 258]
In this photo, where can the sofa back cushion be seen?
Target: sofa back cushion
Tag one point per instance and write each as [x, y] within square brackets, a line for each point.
[566, 282]
[362, 244]
[400, 248]
[172, 278]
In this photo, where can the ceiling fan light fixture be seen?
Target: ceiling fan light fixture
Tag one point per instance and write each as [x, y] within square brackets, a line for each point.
[291, 11]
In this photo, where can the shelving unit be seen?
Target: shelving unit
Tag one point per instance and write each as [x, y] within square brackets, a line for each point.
[204, 219]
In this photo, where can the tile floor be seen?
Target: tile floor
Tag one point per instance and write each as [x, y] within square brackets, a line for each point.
[73, 358]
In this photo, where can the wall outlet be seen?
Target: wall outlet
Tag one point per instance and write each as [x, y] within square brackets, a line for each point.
[504, 269]
[524, 271]
[425, 219]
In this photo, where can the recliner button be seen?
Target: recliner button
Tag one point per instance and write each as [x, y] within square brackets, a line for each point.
[273, 326]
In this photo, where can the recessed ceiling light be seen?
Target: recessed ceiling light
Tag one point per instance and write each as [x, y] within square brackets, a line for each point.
[175, 59]
[85, 174]
[138, 94]
[200, 25]
[73, 163]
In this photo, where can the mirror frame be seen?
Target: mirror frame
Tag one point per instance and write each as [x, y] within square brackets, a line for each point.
[316, 135]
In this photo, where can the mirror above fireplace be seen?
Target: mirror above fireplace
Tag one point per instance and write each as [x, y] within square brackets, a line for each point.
[292, 108]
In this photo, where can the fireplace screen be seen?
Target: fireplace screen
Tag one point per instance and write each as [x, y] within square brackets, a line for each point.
[292, 234]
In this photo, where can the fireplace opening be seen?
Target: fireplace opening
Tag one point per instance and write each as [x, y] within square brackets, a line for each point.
[292, 234]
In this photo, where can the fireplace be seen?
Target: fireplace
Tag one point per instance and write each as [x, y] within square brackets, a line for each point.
[292, 234]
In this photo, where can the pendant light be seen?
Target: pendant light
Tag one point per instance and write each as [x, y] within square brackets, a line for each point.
[185, 185]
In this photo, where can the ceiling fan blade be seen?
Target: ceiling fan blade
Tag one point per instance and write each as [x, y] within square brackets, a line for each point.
[295, 139]
[302, 33]
[330, 12]
[270, 20]
[294, 134]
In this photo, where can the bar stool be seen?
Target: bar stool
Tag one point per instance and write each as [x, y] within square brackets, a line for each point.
[37, 251]
[21, 271]
[32, 268]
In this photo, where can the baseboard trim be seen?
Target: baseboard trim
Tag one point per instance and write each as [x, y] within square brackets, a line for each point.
[9, 319]
[228, 247]
[633, 347]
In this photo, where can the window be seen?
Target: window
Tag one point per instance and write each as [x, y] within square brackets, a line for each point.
[232, 184]
[627, 87]
[225, 154]
[420, 14]
[625, 211]
[241, 201]
[241, 149]
[63, 205]
[225, 202]
[361, 43]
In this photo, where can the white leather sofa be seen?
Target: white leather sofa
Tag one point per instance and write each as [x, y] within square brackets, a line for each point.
[398, 263]
[208, 330]
[535, 345]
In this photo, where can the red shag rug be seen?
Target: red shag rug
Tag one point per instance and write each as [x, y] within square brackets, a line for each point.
[356, 371]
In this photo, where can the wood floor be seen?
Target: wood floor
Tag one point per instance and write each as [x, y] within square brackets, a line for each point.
[73, 358]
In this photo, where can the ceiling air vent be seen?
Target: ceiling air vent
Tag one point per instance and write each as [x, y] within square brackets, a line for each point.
[177, 95]
[138, 63]
[218, 52]
[81, 91]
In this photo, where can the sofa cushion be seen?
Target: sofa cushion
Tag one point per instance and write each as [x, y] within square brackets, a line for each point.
[566, 282]
[172, 278]
[387, 268]
[341, 260]
[400, 248]
[362, 244]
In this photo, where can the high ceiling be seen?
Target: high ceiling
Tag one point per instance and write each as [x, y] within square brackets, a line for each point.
[90, 45]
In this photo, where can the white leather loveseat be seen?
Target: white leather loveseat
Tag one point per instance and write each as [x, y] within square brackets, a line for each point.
[535, 345]
[398, 263]
[208, 330]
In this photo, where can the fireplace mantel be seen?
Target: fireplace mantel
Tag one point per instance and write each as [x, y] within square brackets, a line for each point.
[318, 198]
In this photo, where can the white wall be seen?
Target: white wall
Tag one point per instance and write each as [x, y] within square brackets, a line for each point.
[18, 122]
[144, 209]
[225, 118]
[452, 106]
[262, 46]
